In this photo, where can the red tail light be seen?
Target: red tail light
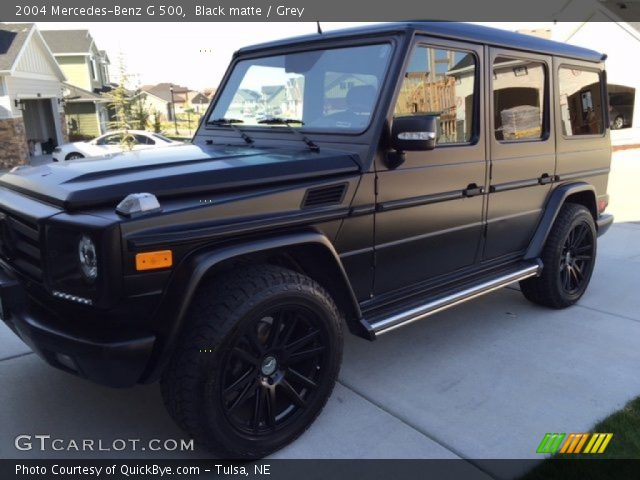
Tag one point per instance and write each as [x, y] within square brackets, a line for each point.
[602, 204]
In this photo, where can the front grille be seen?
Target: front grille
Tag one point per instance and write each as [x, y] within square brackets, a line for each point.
[20, 244]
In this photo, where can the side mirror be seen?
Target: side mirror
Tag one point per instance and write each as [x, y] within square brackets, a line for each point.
[414, 133]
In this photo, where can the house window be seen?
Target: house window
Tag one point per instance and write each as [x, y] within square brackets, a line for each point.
[92, 66]
[105, 74]
[580, 101]
[518, 98]
[441, 82]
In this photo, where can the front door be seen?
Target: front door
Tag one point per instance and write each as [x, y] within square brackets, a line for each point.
[429, 218]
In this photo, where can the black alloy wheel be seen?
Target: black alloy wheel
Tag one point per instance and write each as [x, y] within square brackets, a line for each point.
[568, 259]
[272, 371]
[576, 258]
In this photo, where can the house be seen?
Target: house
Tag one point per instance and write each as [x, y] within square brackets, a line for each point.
[198, 101]
[87, 71]
[608, 27]
[87, 113]
[166, 99]
[31, 113]
[245, 102]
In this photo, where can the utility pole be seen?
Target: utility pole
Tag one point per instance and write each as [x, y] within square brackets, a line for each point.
[173, 107]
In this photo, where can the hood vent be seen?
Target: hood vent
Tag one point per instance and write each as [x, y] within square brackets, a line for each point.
[319, 197]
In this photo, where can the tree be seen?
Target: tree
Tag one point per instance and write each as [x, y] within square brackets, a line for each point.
[189, 111]
[121, 105]
[140, 112]
[157, 122]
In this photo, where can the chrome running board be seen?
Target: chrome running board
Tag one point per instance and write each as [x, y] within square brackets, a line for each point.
[452, 298]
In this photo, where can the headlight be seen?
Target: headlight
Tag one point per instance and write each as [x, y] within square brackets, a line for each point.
[88, 258]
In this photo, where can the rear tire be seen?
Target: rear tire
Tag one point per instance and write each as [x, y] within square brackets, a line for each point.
[568, 259]
[256, 363]
[74, 156]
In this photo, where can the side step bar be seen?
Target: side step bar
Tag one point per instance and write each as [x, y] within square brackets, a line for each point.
[451, 299]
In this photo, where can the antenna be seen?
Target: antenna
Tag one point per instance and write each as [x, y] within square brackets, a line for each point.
[319, 28]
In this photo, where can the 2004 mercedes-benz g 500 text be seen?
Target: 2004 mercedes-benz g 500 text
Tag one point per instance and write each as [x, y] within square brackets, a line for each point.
[370, 177]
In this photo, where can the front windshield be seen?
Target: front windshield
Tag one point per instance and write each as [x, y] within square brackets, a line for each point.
[334, 89]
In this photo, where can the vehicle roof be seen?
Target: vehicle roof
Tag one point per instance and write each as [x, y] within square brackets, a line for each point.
[458, 31]
[111, 132]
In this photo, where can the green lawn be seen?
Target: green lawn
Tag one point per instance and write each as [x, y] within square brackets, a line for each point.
[625, 444]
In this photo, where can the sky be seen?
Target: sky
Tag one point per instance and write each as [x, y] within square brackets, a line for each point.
[194, 55]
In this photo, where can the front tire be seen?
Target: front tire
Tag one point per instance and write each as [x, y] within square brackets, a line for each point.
[256, 363]
[74, 156]
[568, 259]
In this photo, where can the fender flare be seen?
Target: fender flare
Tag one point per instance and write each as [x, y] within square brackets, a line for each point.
[557, 198]
[172, 312]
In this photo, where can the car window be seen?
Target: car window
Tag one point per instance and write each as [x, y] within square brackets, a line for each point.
[580, 101]
[518, 98]
[332, 89]
[143, 140]
[113, 139]
[161, 137]
[441, 82]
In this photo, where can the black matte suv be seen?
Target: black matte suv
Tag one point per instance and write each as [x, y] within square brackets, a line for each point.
[367, 177]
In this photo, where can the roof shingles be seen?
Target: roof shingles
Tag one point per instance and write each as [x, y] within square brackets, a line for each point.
[12, 38]
[68, 41]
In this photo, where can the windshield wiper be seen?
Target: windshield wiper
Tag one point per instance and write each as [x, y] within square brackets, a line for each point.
[231, 123]
[287, 123]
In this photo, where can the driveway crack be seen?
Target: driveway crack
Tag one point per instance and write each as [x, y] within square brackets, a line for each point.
[18, 355]
[426, 434]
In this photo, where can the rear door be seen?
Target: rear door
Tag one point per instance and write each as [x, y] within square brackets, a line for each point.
[429, 209]
[522, 149]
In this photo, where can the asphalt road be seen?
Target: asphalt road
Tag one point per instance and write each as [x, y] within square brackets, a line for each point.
[483, 380]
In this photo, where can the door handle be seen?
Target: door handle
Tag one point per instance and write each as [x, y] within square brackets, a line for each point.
[472, 190]
[545, 179]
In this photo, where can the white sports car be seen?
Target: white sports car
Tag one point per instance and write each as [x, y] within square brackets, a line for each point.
[110, 143]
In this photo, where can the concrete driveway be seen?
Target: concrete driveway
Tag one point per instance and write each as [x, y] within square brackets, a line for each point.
[484, 380]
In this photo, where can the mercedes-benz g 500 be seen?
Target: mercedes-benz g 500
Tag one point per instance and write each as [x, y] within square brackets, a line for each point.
[368, 177]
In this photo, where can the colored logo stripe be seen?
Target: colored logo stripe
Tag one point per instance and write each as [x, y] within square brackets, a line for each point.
[574, 443]
[598, 443]
[550, 443]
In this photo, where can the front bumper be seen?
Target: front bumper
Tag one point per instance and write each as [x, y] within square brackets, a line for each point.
[114, 356]
[604, 223]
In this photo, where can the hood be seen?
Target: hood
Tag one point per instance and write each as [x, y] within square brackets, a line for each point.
[172, 171]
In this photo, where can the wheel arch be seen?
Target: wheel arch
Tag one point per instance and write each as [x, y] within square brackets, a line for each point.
[74, 152]
[310, 253]
[578, 192]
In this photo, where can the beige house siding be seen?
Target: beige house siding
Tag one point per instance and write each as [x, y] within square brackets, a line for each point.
[157, 104]
[84, 116]
[76, 69]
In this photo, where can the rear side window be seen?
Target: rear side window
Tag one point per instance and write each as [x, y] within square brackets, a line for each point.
[160, 137]
[441, 82]
[143, 140]
[115, 139]
[580, 102]
[518, 99]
